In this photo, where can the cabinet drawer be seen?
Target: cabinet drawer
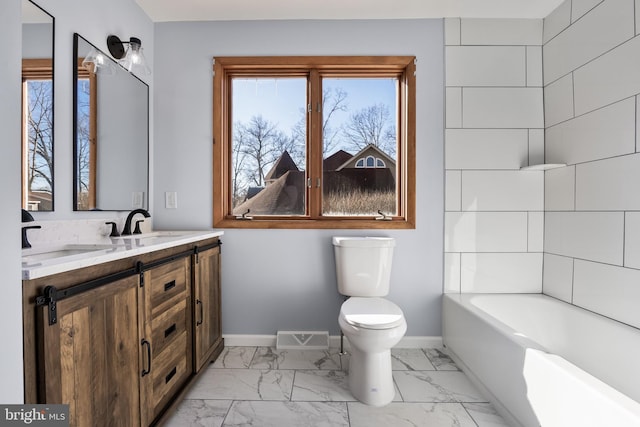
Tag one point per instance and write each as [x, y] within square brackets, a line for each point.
[168, 326]
[168, 285]
[170, 370]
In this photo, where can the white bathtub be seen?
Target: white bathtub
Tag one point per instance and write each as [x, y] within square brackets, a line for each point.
[543, 362]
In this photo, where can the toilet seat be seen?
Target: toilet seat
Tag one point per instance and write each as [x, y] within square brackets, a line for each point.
[371, 313]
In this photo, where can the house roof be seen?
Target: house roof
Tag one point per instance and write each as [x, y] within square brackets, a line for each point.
[369, 147]
[283, 165]
[284, 196]
[335, 160]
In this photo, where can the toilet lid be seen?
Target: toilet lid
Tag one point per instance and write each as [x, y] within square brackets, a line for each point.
[371, 313]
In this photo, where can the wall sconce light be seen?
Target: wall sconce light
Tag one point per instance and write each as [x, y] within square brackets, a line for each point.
[96, 62]
[132, 58]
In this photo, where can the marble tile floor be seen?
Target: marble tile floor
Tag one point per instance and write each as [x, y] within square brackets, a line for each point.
[263, 387]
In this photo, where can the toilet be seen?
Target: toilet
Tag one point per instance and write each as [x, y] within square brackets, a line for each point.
[372, 324]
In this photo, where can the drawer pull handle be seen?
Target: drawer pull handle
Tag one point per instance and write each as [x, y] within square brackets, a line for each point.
[171, 329]
[148, 344]
[170, 375]
[201, 311]
[170, 285]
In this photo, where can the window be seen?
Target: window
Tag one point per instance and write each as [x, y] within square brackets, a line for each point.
[314, 142]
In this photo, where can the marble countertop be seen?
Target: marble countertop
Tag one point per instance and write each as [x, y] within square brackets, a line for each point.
[45, 260]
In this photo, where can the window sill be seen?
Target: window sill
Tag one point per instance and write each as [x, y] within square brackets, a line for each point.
[354, 224]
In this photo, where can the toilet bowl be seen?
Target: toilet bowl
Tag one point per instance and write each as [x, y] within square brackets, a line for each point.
[372, 327]
[371, 323]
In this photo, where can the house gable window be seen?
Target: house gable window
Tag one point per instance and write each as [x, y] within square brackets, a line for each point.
[314, 142]
[379, 163]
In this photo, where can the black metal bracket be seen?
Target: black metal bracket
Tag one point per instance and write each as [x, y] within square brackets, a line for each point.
[49, 298]
[198, 249]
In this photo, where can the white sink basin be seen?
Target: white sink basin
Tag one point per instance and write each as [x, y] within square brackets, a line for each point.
[157, 234]
[34, 255]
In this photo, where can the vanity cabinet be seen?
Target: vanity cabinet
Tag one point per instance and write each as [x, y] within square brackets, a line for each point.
[121, 342]
[206, 288]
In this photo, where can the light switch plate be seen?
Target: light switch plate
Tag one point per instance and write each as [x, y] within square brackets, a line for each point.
[171, 200]
[136, 199]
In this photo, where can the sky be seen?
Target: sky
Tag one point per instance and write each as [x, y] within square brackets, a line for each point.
[281, 100]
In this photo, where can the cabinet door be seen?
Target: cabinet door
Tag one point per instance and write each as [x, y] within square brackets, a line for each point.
[90, 356]
[208, 331]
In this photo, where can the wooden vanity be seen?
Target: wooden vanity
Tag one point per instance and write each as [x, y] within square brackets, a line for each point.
[122, 340]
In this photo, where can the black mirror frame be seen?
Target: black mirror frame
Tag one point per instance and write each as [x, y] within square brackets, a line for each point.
[53, 104]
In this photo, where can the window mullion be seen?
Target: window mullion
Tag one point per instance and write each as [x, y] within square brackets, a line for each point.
[314, 148]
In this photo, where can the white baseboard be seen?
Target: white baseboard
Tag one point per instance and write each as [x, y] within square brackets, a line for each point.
[241, 340]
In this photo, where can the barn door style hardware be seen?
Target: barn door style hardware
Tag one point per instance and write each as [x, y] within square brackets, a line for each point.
[51, 295]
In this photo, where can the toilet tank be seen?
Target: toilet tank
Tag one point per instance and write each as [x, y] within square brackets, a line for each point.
[363, 265]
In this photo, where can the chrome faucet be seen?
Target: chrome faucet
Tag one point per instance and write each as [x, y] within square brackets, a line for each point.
[127, 223]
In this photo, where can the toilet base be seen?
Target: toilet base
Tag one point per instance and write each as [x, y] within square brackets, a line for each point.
[370, 377]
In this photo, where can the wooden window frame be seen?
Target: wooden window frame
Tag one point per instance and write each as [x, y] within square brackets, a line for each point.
[226, 68]
[85, 74]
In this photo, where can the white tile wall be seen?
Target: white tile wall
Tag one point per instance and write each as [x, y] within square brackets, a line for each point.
[453, 190]
[485, 232]
[486, 148]
[608, 290]
[536, 146]
[606, 132]
[452, 273]
[595, 236]
[637, 16]
[501, 272]
[502, 191]
[453, 107]
[502, 108]
[559, 189]
[608, 78]
[494, 126]
[632, 239]
[598, 234]
[557, 21]
[515, 32]
[534, 66]
[476, 66]
[536, 232]
[604, 28]
[558, 101]
[637, 121]
[610, 184]
[580, 7]
[558, 277]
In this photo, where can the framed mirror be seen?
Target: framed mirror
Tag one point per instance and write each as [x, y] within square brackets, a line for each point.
[37, 108]
[111, 133]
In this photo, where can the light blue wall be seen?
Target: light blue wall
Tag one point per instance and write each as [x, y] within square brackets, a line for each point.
[284, 279]
[11, 302]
